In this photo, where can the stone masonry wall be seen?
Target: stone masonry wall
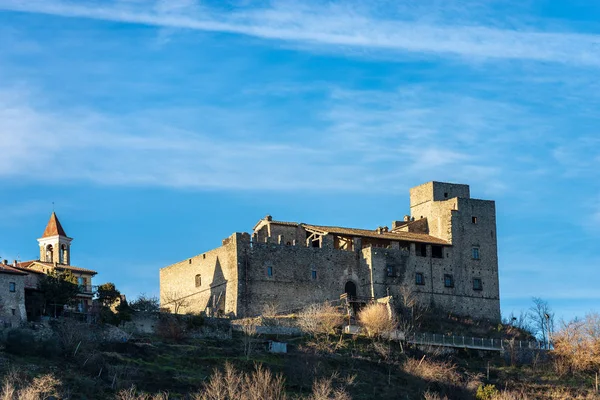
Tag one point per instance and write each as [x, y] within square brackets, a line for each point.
[12, 302]
[218, 271]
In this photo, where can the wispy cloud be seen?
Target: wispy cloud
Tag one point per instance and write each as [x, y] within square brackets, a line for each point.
[339, 25]
[352, 145]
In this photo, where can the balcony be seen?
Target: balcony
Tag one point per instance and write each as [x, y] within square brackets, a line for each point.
[87, 289]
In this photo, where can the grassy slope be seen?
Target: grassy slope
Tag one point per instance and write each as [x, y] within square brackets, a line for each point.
[182, 368]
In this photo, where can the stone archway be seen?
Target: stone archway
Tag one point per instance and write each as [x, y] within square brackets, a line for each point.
[350, 289]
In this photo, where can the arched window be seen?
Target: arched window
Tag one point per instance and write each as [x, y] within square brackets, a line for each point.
[49, 253]
[64, 254]
[198, 280]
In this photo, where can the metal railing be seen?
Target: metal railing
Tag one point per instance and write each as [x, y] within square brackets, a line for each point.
[471, 342]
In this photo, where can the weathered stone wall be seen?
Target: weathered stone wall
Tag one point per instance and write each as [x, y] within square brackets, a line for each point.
[291, 285]
[12, 302]
[218, 271]
[276, 268]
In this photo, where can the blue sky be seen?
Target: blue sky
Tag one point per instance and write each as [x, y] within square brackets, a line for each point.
[160, 127]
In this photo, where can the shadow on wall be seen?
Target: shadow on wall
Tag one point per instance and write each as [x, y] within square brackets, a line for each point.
[218, 286]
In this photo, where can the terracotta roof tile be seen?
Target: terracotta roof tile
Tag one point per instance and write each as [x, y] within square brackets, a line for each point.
[7, 269]
[54, 228]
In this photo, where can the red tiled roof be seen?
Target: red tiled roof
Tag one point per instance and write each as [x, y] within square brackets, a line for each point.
[54, 228]
[400, 236]
[7, 269]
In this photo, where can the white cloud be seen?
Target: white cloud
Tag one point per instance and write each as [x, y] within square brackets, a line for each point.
[341, 25]
[390, 142]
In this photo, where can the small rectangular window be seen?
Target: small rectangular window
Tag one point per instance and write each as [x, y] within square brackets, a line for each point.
[13, 311]
[448, 281]
[477, 285]
[437, 251]
[421, 250]
[474, 220]
[391, 271]
[419, 278]
[12, 287]
[475, 253]
[198, 280]
[269, 271]
[313, 275]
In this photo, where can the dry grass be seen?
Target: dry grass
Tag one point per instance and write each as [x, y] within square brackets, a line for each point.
[323, 389]
[14, 387]
[433, 396]
[432, 371]
[132, 394]
[234, 385]
[377, 320]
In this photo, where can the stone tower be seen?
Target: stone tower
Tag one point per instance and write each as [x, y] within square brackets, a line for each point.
[55, 245]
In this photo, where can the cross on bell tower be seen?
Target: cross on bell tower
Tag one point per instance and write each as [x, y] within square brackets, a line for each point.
[55, 245]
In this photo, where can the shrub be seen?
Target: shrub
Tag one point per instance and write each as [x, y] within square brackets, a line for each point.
[376, 319]
[487, 392]
[194, 321]
[16, 387]
[432, 371]
[320, 319]
[20, 342]
[170, 327]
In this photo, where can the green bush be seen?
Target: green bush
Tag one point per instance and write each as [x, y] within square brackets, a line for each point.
[487, 392]
[194, 321]
[20, 342]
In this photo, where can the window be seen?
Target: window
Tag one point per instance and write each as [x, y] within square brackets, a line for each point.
[49, 253]
[391, 271]
[437, 251]
[190, 261]
[198, 280]
[446, 195]
[475, 253]
[421, 250]
[474, 220]
[419, 278]
[12, 287]
[448, 281]
[313, 274]
[13, 311]
[269, 271]
[477, 285]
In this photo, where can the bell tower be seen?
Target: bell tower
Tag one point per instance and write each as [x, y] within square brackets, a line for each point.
[55, 245]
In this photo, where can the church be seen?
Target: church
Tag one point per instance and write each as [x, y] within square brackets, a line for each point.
[54, 255]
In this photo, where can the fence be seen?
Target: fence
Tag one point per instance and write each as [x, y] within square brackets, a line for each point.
[471, 342]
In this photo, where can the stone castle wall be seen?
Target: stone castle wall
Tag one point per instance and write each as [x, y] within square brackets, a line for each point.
[276, 266]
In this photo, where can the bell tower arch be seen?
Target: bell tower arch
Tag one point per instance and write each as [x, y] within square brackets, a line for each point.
[55, 245]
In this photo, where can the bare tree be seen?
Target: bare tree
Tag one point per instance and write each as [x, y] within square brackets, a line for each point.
[175, 301]
[378, 320]
[249, 331]
[541, 319]
[320, 320]
[577, 345]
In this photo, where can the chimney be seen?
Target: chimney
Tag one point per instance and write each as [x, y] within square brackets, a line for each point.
[386, 229]
[15, 263]
[406, 218]
[5, 262]
[269, 218]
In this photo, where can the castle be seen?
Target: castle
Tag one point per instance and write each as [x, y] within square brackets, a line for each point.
[445, 252]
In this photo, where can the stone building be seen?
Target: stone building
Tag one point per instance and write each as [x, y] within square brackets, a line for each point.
[12, 295]
[55, 255]
[444, 252]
